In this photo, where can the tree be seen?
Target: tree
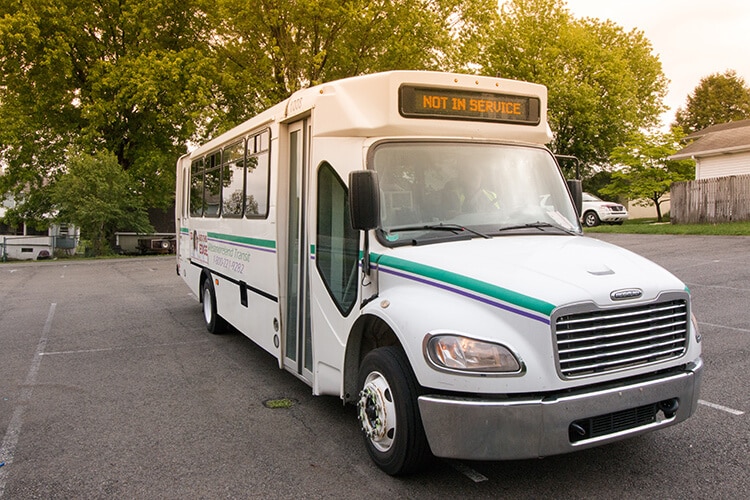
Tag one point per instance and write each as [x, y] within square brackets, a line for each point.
[647, 174]
[129, 76]
[276, 47]
[718, 98]
[97, 195]
[604, 83]
[597, 181]
[143, 78]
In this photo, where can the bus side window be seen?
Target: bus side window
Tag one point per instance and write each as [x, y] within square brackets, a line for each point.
[337, 245]
[212, 188]
[233, 179]
[196, 188]
[258, 179]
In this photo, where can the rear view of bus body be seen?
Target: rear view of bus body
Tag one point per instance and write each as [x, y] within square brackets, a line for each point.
[406, 242]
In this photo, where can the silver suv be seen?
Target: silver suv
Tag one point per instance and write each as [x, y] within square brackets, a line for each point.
[596, 211]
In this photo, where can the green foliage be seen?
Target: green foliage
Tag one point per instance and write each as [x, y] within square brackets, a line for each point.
[647, 174]
[596, 182]
[97, 195]
[129, 76]
[718, 98]
[274, 48]
[144, 78]
[604, 83]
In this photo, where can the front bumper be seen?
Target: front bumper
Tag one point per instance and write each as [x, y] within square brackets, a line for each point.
[614, 217]
[518, 428]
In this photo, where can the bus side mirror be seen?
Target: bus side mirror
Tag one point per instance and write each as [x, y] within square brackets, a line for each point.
[364, 199]
[576, 191]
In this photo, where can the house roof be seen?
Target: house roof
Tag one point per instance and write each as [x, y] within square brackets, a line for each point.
[732, 137]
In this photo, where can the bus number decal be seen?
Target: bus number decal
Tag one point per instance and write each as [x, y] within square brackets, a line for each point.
[295, 105]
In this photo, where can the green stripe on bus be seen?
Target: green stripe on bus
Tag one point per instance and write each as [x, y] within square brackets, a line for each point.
[244, 240]
[474, 285]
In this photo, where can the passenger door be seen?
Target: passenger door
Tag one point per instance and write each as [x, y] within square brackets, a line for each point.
[298, 342]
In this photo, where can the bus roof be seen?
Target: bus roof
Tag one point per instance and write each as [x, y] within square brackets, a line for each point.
[412, 103]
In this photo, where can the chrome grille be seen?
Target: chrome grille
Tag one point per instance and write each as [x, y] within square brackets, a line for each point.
[607, 340]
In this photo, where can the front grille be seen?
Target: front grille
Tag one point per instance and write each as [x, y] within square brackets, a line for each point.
[610, 423]
[608, 340]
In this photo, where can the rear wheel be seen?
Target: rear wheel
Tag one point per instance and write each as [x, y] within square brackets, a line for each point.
[591, 219]
[214, 323]
[388, 412]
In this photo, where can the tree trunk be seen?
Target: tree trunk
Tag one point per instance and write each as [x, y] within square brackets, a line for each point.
[658, 209]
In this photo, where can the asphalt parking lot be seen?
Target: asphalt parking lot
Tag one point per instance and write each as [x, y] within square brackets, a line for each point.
[110, 387]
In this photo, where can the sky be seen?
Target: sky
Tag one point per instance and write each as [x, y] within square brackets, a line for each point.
[692, 38]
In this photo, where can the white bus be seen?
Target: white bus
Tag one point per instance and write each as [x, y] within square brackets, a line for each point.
[406, 242]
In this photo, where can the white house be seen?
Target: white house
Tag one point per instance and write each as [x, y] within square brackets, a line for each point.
[721, 189]
[719, 151]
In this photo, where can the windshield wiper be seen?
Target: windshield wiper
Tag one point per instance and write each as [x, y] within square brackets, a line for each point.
[537, 225]
[456, 228]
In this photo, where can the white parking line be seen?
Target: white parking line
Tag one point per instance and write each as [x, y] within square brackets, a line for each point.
[721, 287]
[16, 422]
[720, 407]
[701, 323]
[120, 348]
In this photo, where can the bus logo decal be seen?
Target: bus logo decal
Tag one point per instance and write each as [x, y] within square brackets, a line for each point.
[627, 293]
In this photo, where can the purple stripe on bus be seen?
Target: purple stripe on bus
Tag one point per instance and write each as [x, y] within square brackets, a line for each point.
[464, 293]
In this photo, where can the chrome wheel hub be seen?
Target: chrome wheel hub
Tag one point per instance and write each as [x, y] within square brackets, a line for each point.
[377, 412]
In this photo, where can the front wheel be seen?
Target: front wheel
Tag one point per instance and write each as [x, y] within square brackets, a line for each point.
[388, 412]
[591, 219]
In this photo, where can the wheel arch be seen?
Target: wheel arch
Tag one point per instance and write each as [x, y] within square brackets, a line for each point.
[590, 211]
[368, 333]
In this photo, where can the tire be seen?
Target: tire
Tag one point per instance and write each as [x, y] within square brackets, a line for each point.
[214, 323]
[591, 219]
[388, 412]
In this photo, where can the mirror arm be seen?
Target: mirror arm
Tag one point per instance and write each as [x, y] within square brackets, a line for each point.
[366, 253]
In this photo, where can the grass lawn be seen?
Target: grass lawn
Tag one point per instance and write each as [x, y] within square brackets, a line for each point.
[650, 226]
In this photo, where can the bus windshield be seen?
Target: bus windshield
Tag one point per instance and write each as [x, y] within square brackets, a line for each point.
[432, 191]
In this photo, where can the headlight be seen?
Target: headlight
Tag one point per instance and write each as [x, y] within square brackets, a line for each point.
[455, 352]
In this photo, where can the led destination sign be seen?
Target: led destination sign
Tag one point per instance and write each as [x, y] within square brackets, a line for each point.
[415, 102]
